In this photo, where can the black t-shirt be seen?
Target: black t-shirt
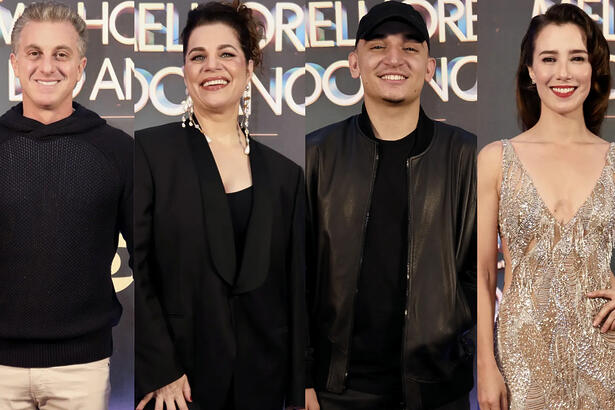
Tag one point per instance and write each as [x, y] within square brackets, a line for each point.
[375, 355]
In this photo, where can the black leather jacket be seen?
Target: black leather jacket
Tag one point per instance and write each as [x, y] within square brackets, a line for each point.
[437, 351]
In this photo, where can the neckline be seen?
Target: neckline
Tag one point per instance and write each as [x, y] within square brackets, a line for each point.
[566, 225]
[241, 191]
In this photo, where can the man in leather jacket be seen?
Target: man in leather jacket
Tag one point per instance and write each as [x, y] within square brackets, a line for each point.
[391, 236]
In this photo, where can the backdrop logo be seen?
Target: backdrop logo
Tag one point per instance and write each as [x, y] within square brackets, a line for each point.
[291, 28]
[120, 282]
[157, 31]
[288, 28]
[329, 26]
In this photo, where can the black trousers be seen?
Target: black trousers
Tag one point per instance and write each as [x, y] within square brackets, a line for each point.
[355, 400]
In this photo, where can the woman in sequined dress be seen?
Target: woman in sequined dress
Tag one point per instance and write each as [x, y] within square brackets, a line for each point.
[550, 194]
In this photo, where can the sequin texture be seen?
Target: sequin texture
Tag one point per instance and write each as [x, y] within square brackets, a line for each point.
[546, 348]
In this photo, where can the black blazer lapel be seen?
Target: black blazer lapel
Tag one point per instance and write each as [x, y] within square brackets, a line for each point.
[257, 249]
[216, 213]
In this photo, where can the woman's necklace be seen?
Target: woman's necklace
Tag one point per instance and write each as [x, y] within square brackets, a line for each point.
[246, 149]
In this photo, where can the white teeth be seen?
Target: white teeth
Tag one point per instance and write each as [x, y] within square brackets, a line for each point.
[563, 90]
[215, 82]
[47, 82]
[393, 77]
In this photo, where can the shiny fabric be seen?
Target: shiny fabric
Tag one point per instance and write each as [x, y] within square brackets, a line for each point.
[548, 351]
[440, 305]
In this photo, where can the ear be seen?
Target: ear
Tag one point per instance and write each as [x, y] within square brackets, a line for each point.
[82, 64]
[250, 70]
[430, 69]
[13, 58]
[353, 64]
[531, 73]
[184, 76]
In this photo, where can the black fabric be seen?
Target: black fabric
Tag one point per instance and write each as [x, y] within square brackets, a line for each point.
[395, 26]
[356, 400]
[243, 337]
[65, 195]
[437, 351]
[240, 204]
[375, 353]
[394, 10]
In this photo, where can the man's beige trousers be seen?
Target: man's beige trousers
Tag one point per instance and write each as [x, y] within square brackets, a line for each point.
[74, 387]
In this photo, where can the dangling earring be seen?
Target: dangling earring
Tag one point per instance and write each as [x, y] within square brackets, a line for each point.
[246, 106]
[188, 107]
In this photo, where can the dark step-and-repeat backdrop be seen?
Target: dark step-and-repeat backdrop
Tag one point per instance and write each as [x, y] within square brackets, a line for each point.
[134, 80]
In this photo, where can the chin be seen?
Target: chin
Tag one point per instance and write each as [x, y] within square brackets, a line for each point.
[218, 105]
[566, 110]
[215, 101]
[395, 101]
[44, 103]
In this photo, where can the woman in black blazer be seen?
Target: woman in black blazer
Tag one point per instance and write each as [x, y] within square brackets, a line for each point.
[219, 240]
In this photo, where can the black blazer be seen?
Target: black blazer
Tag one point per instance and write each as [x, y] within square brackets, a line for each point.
[247, 337]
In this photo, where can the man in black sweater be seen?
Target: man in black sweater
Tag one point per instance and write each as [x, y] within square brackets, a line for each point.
[391, 236]
[65, 195]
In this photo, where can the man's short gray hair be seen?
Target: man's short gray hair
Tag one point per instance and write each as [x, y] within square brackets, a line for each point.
[50, 11]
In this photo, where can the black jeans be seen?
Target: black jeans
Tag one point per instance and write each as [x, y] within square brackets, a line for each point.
[355, 400]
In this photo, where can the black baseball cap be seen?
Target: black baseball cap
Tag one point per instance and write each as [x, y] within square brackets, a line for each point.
[393, 10]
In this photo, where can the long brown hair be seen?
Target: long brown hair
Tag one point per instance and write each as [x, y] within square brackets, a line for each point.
[595, 105]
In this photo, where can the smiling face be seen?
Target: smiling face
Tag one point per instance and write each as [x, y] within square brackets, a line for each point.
[48, 65]
[561, 69]
[215, 69]
[392, 68]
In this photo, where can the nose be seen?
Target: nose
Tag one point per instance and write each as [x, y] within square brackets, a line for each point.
[47, 65]
[211, 63]
[393, 55]
[563, 70]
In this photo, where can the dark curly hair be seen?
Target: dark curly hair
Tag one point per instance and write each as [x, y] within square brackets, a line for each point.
[595, 105]
[237, 16]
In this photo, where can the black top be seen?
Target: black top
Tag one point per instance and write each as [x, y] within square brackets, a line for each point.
[65, 194]
[375, 353]
[240, 204]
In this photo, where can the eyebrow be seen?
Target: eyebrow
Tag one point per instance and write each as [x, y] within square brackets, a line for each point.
[60, 47]
[221, 46]
[575, 51]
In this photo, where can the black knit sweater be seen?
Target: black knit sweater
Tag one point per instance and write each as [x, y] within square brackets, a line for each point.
[65, 194]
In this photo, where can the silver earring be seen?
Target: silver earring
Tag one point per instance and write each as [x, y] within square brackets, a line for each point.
[246, 108]
[188, 107]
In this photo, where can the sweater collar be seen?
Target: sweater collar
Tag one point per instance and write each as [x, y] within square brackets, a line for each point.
[81, 120]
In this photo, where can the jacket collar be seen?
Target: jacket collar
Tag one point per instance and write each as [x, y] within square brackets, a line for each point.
[254, 263]
[424, 130]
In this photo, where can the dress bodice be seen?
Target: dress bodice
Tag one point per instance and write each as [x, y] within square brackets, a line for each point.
[548, 351]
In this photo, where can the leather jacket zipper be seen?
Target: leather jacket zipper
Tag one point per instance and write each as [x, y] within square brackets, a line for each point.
[356, 290]
[403, 334]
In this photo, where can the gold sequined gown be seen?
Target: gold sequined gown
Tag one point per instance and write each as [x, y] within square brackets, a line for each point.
[547, 350]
